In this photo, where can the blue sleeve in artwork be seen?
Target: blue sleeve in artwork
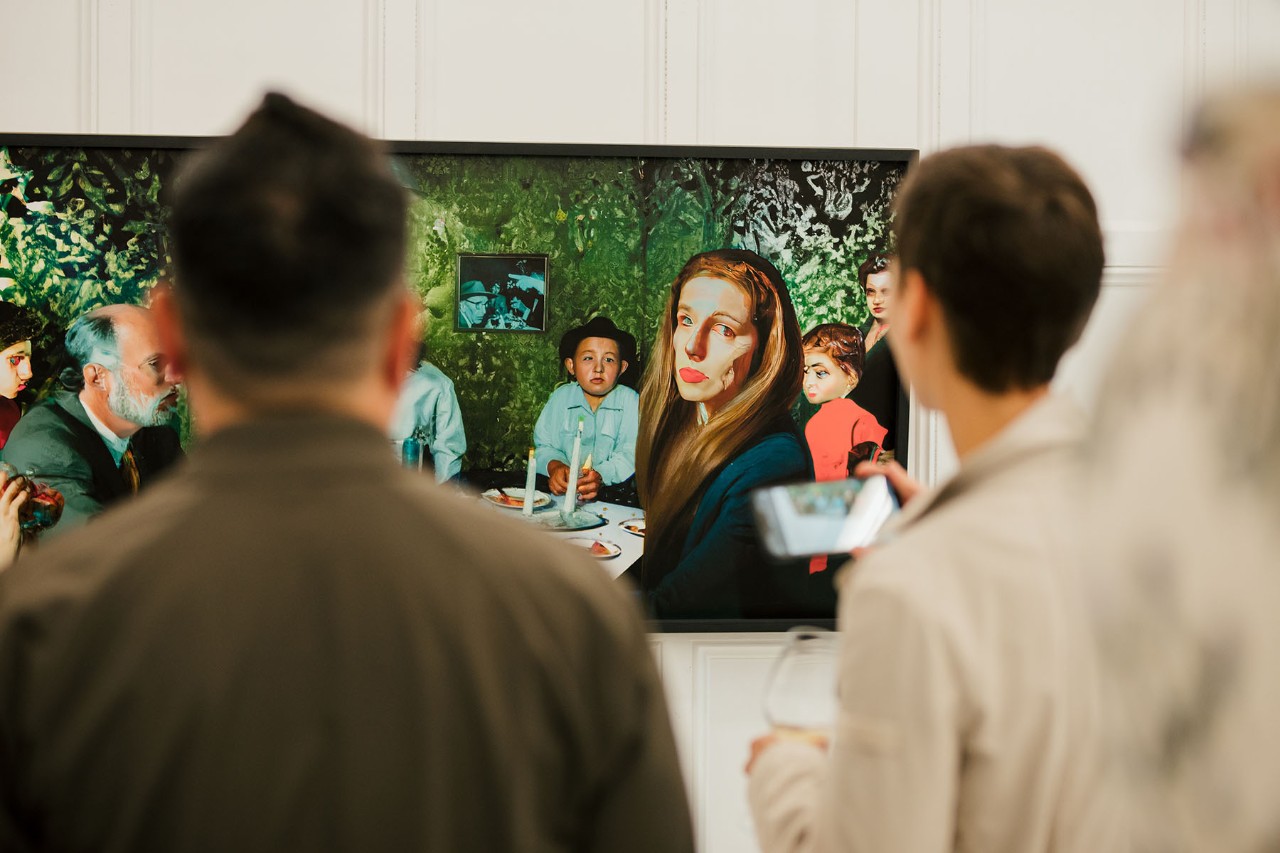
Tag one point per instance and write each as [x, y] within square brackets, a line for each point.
[621, 462]
[548, 432]
[450, 440]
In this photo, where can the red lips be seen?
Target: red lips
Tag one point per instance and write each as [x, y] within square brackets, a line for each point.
[688, 374]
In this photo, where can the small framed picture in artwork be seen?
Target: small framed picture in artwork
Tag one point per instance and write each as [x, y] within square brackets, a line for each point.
[502, 293]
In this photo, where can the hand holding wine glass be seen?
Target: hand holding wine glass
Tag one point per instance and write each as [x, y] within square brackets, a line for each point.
[800, 694]
[43, 504]
[12, 498]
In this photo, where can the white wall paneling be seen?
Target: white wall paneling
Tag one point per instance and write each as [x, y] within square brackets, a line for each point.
[40, 94]
[777, 73]
[1083, 368]
[557, 71]
[1257, 28]
[715, 685]
[210, 62]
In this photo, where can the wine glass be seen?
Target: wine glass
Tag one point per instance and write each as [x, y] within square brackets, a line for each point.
[800, 693]
[44, 503]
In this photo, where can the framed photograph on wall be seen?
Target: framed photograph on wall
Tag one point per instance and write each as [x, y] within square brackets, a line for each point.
[487, 222]
[502, 293]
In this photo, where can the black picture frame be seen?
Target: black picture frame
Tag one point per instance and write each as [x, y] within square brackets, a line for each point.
[571, 309]
[510, 291]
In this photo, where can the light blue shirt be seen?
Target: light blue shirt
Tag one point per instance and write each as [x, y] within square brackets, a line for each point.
[608, 434]
[427, 409]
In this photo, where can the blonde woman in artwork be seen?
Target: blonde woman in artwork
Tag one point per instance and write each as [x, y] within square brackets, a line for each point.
[1185, 499]
[714, 426]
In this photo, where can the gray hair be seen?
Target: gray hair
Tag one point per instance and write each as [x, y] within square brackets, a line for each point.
[91, 339]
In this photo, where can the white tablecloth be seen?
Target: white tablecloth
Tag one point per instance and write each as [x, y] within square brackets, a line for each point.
[632, 545]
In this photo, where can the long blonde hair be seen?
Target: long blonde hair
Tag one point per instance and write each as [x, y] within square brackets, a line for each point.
[675, 458]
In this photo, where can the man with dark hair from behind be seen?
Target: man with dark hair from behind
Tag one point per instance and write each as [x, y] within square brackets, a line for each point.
[293, 643]
[967, 715]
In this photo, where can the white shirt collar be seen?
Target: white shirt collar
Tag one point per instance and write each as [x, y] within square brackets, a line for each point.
[115, 443]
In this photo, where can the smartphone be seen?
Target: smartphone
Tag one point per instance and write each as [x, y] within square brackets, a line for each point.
[834, 517]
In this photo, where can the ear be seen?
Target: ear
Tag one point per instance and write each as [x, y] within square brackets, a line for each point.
[95, 376]
[568, 365]
[625, 365]
[404, 332]
[173, 341]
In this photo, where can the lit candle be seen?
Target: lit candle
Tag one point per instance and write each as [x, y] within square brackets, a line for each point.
[571, 493]
[528, 483]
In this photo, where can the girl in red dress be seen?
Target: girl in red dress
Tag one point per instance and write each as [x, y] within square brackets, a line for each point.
[841, 434]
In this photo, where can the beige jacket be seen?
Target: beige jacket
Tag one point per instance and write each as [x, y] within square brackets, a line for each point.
[967, 688]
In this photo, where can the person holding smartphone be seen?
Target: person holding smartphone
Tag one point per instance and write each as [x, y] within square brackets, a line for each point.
[967, 712]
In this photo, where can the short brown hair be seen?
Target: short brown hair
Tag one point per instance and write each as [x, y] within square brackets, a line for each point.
[842, 342]
[1008, 241]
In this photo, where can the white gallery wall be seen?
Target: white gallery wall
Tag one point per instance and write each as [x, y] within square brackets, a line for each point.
[1106, 82]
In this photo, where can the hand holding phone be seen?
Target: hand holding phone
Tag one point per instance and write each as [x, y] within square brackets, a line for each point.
[805, 519]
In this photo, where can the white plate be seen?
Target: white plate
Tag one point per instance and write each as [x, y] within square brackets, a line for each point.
[601, 549]
[634, 526]
[514, 498]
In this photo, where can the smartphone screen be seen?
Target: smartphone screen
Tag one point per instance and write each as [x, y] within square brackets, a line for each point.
[805, 519]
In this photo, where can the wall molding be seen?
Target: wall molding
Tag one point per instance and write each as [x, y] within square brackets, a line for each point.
[707, 653]
[142, 28]
[88, 66]
[374, 67]
[656, 72]
[425, 120]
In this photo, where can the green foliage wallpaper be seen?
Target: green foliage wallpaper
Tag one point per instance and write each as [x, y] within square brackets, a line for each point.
[616, 232]
[82, 227]
[79, 228]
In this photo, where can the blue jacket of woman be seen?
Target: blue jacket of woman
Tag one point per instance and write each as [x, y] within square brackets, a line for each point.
[722, 571]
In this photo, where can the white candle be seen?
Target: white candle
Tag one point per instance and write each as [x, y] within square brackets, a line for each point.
[571, 493]
[529, 482]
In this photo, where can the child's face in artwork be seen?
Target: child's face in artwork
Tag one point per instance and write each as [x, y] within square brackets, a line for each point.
[596, 365]
[15, 369]
[714, 340]
[824, 381]
[879, 286]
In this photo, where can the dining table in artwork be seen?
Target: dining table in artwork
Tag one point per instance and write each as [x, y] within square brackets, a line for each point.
[612, 534]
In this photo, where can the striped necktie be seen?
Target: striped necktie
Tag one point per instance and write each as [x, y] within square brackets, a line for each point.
[129, 469]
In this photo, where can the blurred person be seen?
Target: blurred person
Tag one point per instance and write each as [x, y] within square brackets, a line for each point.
[17, 327]
[967, 692]
[427, 410]
[106, 435]
[1184, 493]
[294, 643]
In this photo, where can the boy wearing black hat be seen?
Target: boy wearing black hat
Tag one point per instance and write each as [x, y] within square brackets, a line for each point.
[595, 356]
